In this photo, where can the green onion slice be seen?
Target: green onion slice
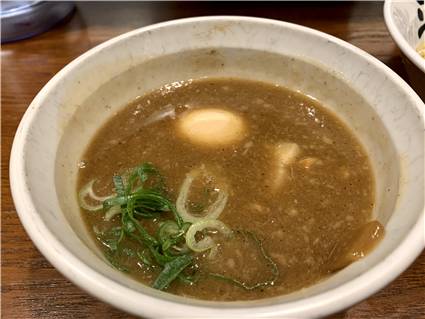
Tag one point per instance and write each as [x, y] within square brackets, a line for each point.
[207, 242]
[87, 190]
[171, 270]
[212, 212]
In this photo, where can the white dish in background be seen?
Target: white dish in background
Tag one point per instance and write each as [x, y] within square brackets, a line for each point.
[382, 110]
[408, 31]
[402, 19]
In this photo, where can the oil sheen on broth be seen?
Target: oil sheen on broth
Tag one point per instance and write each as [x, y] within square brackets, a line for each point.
[299, 186]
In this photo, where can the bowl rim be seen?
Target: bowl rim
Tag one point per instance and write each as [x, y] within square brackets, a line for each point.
[399, 39]
[94, 283]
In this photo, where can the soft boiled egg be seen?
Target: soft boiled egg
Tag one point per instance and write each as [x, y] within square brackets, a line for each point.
[211, 127]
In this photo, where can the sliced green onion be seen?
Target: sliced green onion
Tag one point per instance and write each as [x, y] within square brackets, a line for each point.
[144, 258]
[119, 185]
[212, 212]
[168, 229]
[207, 242]
[115, 210]
[171, 270]
[213, 252]
[87, 190]
[181, 249]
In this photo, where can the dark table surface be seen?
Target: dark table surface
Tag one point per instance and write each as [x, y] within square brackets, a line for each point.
[31, 287]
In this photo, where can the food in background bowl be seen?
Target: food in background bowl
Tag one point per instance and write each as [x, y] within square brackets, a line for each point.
[421, 49]
[228, 189]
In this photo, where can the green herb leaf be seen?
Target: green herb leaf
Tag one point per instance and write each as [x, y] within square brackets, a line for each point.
[171, 270]
[114, 262]
[189, 279]
[146, 238]
[161, 259]
[114, 201]
[119, 185]
[270, 263]
[145, 259]
[127, 224]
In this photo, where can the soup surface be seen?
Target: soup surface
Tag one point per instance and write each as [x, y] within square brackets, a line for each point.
[252, 190]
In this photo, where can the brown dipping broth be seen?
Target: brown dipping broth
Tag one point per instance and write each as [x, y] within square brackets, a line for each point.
[317, 222]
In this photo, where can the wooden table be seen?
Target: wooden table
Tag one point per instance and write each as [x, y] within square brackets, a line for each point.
[31, 287]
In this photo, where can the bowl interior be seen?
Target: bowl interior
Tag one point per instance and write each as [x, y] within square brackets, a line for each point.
[93, 88]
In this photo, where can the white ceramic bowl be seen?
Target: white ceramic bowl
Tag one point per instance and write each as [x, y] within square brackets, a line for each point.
[407, 28]
[383, 111]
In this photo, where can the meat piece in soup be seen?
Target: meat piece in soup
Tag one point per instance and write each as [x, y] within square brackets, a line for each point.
[228, 189]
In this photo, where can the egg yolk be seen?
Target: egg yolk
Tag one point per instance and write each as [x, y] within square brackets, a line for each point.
[211, 127]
